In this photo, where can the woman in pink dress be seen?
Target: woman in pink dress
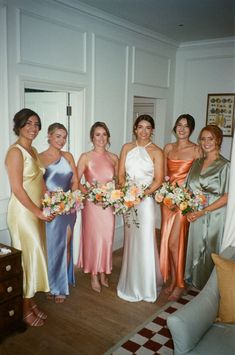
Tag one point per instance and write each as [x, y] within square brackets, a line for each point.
[178, 157]
[95, 255]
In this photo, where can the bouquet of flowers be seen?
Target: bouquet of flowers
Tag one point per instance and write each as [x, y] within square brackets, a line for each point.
[59, 202]
[102, 194]
[122, 200]
[173, 195]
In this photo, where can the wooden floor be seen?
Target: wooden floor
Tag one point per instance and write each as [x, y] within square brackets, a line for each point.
[87, 323]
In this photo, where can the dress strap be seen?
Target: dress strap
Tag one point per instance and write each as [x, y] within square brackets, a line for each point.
[144, 145]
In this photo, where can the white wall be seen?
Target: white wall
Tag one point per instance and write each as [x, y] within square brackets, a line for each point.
[203, 68]
[49, 45]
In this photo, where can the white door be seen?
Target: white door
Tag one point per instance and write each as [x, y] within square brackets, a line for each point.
[51, 107]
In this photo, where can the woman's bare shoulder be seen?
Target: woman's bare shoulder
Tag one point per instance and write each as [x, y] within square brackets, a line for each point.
[155, 148]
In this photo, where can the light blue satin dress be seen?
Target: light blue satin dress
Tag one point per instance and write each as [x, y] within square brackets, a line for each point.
[59, 174]
[140, 277]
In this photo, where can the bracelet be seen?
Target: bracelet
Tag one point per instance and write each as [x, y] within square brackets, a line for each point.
[207, 212]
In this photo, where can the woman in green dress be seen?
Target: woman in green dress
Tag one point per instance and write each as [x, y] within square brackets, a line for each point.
[209, 174]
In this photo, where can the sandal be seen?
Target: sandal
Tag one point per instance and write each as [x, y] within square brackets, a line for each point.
[38, 313]
[104, 281]
[34, 322]
[60, 298]
[176, 294]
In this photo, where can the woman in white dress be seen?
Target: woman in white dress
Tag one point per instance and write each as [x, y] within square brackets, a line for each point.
[142, 160]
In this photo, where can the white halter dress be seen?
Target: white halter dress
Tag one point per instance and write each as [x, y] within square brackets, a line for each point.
[140, 277]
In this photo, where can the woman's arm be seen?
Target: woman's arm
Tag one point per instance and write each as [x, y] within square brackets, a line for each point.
[74, 181]
[81, 166]
[15, 165]
[122, 170]
[158, 171]
[220, 202]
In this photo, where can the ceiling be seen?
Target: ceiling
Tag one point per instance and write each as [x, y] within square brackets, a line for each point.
[178, 20]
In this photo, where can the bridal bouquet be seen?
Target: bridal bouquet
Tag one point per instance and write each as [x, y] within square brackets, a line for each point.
[59, 202]
[172, 195]
[123, 200]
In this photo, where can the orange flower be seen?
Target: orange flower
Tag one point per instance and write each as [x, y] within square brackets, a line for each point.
[61, 206]
[98, 197]
[168, 202]
[129, 204]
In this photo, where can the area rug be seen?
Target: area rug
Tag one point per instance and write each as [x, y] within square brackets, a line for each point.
[152, 336]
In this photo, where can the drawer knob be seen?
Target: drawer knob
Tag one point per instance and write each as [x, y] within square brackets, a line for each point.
[11, 313]
[8, 267]
[9, 289]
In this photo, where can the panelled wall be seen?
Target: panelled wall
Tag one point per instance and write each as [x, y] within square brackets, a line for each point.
[58, 46]
[202, 68]
[65, 46]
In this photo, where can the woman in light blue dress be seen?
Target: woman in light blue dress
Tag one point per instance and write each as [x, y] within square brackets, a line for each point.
[60, 173]
[142, 160]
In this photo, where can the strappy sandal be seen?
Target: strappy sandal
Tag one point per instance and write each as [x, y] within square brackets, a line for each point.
[60, 298]
[36, 322]
[38, 313]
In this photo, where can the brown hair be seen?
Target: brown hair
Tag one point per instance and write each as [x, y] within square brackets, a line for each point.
[54, 126]
[216, 133]
[102, 125]
[21, 118]
[140, 118]
[190, 121]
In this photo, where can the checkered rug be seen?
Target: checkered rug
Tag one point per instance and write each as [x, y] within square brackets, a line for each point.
[152, 337]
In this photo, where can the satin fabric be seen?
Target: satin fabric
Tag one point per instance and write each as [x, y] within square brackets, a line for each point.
[205, 234]
[95, 254]
[177, 170]
[59, 174]
[140, 277]
[26, 230]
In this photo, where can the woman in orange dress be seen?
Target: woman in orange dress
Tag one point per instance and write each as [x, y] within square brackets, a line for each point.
[178, 158]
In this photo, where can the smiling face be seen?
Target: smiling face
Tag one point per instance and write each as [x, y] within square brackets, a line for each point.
[100, 137]
[182, 129]
[30, 129]
[58, 138]
[208, 142]
[143, 130]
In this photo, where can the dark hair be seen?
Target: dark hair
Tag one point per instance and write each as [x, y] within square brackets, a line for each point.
[21, 118]
[190, 121]
[54, 126]
[102, 125]
[216, 133]
[140, 118]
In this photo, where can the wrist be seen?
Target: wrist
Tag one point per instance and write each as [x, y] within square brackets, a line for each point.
[206, 212]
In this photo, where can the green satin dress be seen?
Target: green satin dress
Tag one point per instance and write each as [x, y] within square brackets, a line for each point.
[26, 230]
[205, 234]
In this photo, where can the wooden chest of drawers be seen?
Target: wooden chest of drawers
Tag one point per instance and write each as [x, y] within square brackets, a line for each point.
[11, 290]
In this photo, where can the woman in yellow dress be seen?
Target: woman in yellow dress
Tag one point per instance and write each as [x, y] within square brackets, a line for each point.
[25, 218]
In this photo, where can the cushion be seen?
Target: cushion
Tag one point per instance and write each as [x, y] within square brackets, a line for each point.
[225, 270]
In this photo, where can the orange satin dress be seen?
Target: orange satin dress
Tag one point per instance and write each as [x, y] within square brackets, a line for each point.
[177, 170]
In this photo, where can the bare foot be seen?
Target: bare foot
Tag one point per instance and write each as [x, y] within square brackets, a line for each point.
[104, 280]
[38, 313]
[176, 294]
[95, 284]
[60, 299]
[168, 290]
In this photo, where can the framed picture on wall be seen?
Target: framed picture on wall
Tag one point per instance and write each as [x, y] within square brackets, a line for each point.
[220, 112]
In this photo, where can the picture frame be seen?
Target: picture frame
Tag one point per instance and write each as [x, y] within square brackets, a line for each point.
[220, 112]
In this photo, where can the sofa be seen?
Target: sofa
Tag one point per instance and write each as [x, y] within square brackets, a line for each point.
[193, 327]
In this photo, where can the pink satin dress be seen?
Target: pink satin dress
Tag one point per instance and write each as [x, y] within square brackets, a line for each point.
[95, 254]
[177, 170]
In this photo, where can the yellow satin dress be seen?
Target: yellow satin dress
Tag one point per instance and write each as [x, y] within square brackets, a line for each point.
[26, 230]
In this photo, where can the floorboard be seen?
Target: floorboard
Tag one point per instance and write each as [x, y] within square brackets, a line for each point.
[87, 323]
